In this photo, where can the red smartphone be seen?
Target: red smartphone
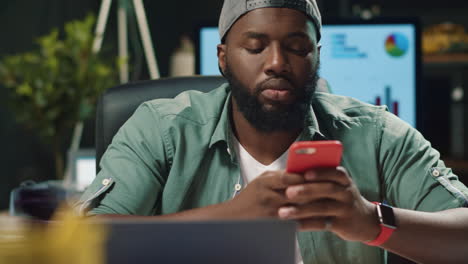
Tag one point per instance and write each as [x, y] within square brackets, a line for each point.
[306, 155]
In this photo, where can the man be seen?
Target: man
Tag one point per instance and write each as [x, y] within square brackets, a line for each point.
[221, 155]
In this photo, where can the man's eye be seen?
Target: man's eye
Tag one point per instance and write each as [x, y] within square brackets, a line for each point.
[300, 52]
[254, 51]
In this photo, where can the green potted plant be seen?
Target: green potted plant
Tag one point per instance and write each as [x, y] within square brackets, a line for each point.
[56, 86]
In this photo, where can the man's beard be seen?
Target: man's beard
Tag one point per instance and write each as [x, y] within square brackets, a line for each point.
[284, 117]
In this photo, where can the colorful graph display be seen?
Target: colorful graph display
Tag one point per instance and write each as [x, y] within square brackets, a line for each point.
[396, 45]
[374, 63]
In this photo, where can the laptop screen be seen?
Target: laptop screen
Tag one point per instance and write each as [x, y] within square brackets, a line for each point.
[226, 242]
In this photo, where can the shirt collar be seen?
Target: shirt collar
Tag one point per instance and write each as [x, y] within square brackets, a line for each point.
[223, 127]
[312, 128]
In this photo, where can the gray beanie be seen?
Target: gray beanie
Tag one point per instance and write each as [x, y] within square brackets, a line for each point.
[234, 9]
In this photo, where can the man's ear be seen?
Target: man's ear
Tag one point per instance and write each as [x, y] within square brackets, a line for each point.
[222, 57]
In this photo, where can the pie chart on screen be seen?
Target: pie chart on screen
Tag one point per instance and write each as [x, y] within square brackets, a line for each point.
[396, 44]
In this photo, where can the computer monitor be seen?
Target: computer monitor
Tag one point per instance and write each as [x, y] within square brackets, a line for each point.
[376, 61]
[83, 168]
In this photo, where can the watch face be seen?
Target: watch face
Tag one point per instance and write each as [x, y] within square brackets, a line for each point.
[387, 216]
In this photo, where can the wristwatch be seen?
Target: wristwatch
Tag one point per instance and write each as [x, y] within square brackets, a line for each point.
[387, 224]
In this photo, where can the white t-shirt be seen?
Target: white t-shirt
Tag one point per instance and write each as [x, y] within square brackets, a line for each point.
[250, 169]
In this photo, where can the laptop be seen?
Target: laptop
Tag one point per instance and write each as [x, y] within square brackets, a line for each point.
[228, 242]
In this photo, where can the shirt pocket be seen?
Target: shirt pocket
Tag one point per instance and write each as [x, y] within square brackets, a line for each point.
[451, 183]
[88, 201]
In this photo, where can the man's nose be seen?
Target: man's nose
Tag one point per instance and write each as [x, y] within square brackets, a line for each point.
[276, 61]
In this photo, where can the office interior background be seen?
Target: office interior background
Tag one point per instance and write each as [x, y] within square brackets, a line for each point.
[444, 115]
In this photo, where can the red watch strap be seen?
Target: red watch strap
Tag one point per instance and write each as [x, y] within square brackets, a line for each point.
[384, 235]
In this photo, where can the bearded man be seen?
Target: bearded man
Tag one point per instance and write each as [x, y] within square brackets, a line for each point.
[222, 155]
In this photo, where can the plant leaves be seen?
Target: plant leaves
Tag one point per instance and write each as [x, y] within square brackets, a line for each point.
[56, 85]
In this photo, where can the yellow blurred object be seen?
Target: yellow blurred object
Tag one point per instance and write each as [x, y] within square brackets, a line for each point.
[68, 239]
[445, 38]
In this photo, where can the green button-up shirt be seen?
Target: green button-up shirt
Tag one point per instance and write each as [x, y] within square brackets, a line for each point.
[176, 154]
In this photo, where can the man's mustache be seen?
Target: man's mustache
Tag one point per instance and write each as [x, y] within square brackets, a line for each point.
[276, 83]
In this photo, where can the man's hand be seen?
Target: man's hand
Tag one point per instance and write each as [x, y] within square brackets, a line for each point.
[330, 200]
[263, 197]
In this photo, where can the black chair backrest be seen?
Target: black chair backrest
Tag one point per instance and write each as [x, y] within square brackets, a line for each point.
[117, 104]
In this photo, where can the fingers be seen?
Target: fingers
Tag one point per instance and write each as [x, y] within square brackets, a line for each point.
[269, 202]
[331, 183]
[283, 179]
[309, 192]
[318, 193]
[338, 175]
[322, 208]
[279, 179]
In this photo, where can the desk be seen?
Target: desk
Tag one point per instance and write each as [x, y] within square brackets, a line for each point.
[10, 223]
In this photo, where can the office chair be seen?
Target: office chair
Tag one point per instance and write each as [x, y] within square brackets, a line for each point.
[118, 103]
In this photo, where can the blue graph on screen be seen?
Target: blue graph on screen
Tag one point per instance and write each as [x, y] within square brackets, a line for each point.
[341, 50]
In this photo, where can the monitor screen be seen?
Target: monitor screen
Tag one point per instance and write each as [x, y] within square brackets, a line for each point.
[85, 171]
[83, 168]
[375, 61]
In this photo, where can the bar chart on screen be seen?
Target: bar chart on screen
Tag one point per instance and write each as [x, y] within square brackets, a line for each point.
[393, 106]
